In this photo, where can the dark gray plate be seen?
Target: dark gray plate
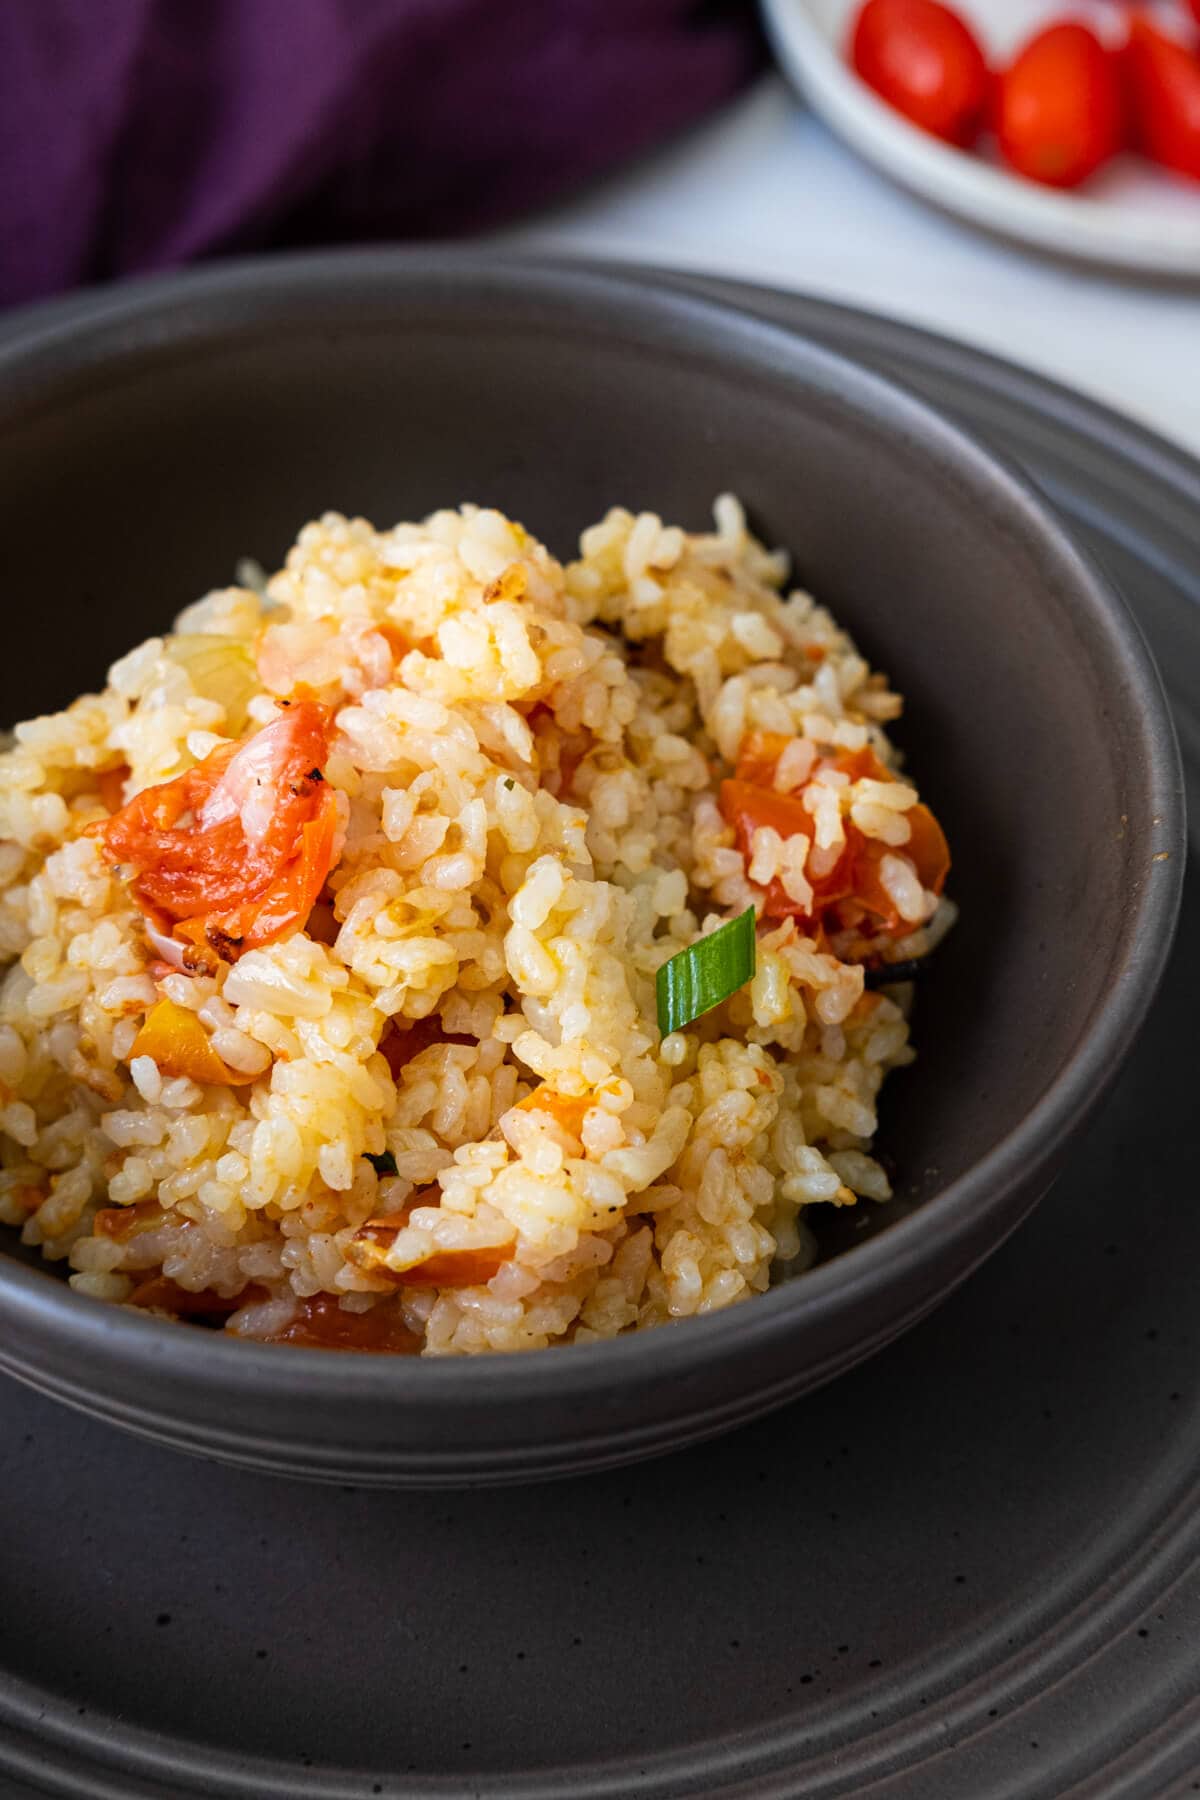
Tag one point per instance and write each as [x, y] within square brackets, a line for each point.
[970, 1569]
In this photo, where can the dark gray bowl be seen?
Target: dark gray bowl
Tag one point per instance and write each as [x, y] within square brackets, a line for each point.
[140, 455]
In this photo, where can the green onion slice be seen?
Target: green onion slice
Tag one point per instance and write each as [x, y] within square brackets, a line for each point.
[384, 1163]
[707, 972]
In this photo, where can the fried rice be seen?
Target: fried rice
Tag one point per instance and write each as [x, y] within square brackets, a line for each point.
[366, 1053]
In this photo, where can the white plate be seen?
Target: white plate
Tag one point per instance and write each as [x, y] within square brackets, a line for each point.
[1132, 215]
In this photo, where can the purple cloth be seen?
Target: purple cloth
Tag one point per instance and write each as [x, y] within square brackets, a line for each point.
[138, 134]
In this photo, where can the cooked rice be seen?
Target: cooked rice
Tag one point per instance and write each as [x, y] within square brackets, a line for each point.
[529, 800]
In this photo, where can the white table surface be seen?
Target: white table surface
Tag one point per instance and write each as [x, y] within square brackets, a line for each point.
[765, 192]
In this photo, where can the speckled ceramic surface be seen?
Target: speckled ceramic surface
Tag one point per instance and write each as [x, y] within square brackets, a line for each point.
[969, 1568]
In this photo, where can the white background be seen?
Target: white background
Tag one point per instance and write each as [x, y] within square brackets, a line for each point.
[766, 193]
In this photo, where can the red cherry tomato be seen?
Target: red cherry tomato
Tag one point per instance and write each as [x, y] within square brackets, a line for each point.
[1162, 79]
[924, 61]
[1059, 107]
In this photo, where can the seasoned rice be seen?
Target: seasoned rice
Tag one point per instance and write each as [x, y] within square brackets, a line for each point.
[448, 1120]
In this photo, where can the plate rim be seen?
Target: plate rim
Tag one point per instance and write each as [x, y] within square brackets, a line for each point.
[1074, 227]
[773, 1783]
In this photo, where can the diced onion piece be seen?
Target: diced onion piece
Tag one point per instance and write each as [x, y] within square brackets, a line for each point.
[707, 972]
[219, 668]
[169, 948]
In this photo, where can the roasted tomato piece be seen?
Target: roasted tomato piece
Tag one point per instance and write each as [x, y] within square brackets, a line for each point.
[321, 1323]
[460, 1266]
[165, 1295]
[123, 1222]
[758, 756]
[1162, 79]
[234, 853]
[863, 765]
[456, 1268]
[401, 1042]
[110, 785]
[855, 877]
[748, 808]
[926, 849]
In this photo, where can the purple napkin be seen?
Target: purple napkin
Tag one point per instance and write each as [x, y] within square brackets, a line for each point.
[137, 134]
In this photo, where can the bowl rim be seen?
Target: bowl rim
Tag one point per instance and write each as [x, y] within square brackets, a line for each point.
[193, 302]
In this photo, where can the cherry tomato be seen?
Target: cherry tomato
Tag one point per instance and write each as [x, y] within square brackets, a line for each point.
[924, 60]
[1163, 82]
[1059, 107]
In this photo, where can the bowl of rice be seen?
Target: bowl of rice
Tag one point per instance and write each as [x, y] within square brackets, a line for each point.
[570, 862]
